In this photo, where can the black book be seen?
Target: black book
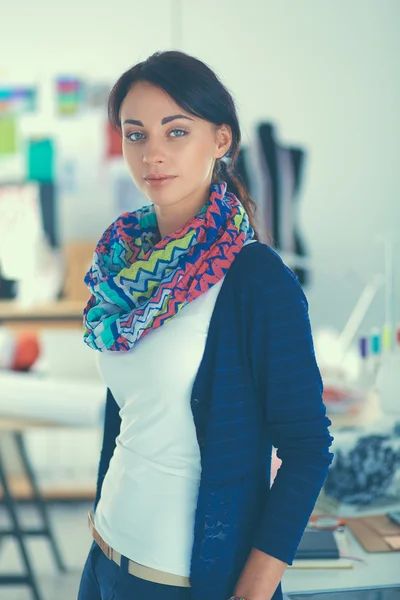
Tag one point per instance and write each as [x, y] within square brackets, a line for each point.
[319, 544]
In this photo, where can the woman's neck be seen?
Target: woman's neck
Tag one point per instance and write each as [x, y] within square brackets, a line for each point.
[172, 218]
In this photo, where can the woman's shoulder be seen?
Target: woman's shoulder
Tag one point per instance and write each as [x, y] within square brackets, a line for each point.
[260, 283]
[258, 266]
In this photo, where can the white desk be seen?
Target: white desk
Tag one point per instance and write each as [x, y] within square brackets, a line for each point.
[381, 568]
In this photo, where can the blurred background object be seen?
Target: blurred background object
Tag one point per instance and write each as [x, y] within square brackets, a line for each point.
[317, 86]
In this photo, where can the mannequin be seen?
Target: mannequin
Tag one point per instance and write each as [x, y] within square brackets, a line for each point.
[282, 169]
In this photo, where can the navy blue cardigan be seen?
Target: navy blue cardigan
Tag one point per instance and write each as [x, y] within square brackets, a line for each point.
[258, 386]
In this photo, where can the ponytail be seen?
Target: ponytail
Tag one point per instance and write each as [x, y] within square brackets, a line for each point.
[226, 172]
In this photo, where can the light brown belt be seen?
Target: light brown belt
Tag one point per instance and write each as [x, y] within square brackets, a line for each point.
[135, 568]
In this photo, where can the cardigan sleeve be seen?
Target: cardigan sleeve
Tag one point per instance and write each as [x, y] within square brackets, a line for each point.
[112, 425]
[289, 382]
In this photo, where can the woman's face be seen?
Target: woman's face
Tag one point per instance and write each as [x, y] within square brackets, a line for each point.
[170, 153]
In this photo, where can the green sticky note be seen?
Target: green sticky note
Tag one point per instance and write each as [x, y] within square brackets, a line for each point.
[8, 136]
[41, 160]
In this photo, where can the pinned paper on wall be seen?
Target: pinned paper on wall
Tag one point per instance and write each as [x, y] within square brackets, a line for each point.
[20, 227]
[69, 95]
[67, 178]
[17, 100]
[8, 137]
[97, 95]
[114, 142]
[40, 156]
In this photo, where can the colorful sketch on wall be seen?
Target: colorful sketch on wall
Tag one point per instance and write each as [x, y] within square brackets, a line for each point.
[40, 156]
[17, 100]
[70, 92]
[8, 137]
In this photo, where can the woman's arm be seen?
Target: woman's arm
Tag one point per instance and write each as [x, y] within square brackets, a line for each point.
[112, 424]
[289, 383]
[260, 576]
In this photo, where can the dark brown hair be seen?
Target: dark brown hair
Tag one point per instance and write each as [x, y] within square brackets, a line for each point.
[196, 89]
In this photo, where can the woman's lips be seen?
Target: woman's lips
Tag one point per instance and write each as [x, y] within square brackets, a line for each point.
[157, 181]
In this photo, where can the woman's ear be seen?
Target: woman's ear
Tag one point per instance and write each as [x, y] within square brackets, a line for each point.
[223, 140]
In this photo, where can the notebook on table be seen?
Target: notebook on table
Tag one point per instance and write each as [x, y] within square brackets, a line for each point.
[322, 549]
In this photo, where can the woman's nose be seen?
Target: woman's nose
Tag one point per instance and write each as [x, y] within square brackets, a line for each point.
[153, 153]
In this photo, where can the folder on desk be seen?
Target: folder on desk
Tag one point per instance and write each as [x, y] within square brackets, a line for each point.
[318, 544]
[376, 533]
[322, 549]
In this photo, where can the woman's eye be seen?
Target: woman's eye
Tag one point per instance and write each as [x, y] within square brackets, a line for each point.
[135, 136]
[178, 132]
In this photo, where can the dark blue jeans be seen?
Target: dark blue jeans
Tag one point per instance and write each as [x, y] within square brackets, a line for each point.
[103, 579]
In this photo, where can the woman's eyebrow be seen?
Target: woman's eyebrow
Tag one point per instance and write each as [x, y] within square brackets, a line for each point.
[164, 121]
[173, 117]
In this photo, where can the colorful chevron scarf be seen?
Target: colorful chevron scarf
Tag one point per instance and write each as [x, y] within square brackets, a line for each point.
[139, 281]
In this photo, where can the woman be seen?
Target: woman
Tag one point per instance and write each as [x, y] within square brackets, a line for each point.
[204, 343]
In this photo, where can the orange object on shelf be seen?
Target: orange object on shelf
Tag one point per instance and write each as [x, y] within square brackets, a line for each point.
[27, 351]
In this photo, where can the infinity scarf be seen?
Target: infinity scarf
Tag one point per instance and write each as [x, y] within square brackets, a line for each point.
[139, 282]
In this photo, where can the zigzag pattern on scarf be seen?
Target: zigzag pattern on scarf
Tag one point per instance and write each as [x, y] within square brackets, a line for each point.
[139, 281]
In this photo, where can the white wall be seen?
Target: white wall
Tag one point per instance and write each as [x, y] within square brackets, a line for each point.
[325, 71]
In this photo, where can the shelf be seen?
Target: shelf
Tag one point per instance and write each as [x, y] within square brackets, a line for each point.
[11, 310]
[21, 491]
[59, 314]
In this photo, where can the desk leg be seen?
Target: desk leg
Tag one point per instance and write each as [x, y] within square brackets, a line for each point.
[38, 499]
[16, 531]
